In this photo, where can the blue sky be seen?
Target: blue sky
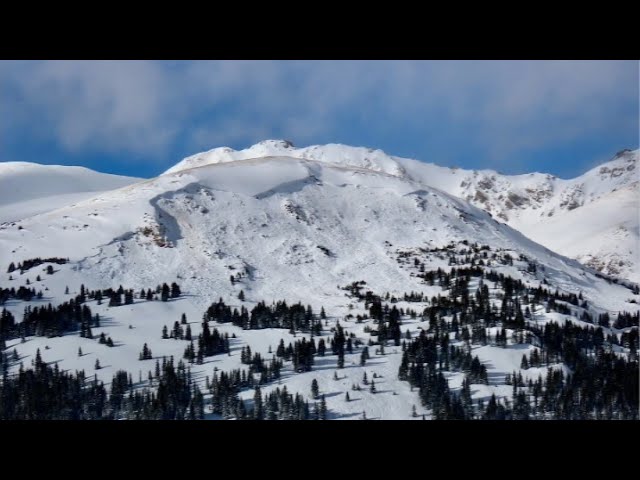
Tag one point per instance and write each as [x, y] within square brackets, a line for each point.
[141, 117]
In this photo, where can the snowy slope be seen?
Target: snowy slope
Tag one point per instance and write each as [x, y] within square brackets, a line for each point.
[27, 189]
[535, 204]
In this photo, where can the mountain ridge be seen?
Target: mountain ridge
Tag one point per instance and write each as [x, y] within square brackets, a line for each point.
[528, 202]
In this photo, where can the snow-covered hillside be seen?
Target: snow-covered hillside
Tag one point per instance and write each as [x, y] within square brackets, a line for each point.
[281, 227]
[28, 189]
[586, 218]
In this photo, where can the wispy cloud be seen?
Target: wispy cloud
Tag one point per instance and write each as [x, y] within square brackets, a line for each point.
[145, 108]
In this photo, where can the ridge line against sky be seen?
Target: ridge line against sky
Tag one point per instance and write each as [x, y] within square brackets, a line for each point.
[139, 118]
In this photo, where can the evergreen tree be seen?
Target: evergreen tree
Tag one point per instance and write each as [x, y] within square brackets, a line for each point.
[315, 391]
[165, 292]
[241, 296]
[258, 413]
[323, 408]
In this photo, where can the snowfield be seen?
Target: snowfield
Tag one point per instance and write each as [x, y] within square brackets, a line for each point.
[28, 189]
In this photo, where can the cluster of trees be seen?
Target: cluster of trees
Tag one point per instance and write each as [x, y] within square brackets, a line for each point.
[34, 262]
[122, 296]
[47, 393]
[601, 384]
[277, 315]
[22, 293]
[277, 405]
[208, 344]
[50, 321]
[626, 320]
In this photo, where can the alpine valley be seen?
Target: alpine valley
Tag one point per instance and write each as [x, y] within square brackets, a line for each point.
[326, 282]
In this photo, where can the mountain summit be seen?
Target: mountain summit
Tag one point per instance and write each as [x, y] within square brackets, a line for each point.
[331, 154]
[558, 213]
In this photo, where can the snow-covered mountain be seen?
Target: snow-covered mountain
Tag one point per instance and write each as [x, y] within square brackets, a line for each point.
[593, 218]
[266, 215]
[28, 189]
[278, 223]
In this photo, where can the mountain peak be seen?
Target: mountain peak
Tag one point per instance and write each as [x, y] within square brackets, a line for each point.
[621, 169]
[332, 154]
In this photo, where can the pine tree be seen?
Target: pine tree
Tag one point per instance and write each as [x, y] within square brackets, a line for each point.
[414, 412]
[258, 413]
[165, 332]
[341, 358]
[524, 364]
[183, 319]
[145, 354]
[372, 388]
[241, 296]
[346, 397]
[323, 408]
[315, 390]
[164, 296]
[97, 366]
[79, 351]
